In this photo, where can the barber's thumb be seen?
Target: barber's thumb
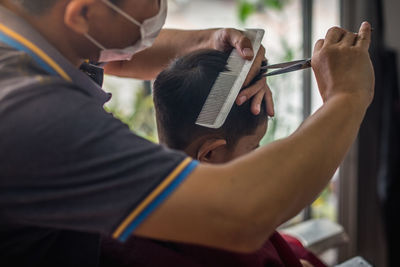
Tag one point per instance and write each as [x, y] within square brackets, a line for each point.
[245, 47]
[248, 53]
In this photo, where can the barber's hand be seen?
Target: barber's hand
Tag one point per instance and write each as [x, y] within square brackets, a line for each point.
[342, 65]
[225, 39]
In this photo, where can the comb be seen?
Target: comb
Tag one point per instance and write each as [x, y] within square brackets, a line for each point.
[228, 84]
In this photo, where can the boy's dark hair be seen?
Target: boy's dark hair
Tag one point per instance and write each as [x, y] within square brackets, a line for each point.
[179, 95]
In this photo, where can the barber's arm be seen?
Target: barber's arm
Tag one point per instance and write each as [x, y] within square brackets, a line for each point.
[237, 205]
[172, 43]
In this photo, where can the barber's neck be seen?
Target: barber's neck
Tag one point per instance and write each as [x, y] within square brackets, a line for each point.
[51, 27]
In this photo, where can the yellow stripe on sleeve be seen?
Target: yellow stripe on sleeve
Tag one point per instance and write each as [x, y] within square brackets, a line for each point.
[151, 197]
[39, 52]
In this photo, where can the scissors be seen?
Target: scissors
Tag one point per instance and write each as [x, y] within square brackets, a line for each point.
[285, 67]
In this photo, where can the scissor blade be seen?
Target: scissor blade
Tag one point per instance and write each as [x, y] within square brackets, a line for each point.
[299, 66]
[285, 64]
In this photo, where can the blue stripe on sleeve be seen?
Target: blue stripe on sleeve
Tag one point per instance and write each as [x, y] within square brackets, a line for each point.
[158, 200]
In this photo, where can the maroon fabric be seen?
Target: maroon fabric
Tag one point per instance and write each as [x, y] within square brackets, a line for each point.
[291, 240]
[304, 254]
[146, 252]
[301, 252]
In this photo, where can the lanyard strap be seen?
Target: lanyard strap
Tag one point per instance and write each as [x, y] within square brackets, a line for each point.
[19, 42]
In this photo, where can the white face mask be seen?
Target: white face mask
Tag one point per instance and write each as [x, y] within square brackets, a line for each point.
[149, 30]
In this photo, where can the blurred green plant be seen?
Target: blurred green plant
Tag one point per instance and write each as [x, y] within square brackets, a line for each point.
[245, 10]
[141, 120]
[248, 7]
[288, 51]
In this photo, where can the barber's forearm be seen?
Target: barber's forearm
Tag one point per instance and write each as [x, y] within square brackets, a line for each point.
[238, 205]
[169, 44]
[264, 189]
[287, 175]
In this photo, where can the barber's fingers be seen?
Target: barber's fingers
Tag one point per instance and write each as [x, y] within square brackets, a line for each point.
[238, 40]
[256, 102]
[364, 36]
[334, 35]
[247, 93]
[349, 39]
[269, 102]
[255, 68]
[318, 45]
[260, 91]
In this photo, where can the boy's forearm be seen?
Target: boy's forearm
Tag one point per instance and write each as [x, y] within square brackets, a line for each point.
[169, 44]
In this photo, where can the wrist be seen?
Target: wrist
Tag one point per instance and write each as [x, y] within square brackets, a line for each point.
[209, 39]
[353, 103]
[360, 94]
[201, 39]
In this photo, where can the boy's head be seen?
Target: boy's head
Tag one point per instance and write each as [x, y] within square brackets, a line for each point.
[180, 92]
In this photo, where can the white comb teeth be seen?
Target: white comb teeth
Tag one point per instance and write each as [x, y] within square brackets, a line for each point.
[212, 107]
[227, 85]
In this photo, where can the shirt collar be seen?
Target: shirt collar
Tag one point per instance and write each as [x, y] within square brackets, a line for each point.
[18, 25]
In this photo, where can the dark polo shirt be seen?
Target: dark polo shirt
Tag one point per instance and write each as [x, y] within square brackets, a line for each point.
[69, 171]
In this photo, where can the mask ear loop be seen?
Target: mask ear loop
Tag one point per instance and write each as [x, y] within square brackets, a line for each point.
[94, 41]
[118, 10]
[121, 12]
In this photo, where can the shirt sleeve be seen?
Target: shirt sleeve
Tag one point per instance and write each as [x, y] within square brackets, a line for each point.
[68, 164]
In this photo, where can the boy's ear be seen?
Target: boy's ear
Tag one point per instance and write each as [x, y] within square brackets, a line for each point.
[211, 150]
[76, 15]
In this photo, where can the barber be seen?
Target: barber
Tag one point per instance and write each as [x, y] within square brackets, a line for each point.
[70, 172]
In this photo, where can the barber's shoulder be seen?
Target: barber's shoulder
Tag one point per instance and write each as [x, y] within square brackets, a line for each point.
[18, 70]
[21, 76]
